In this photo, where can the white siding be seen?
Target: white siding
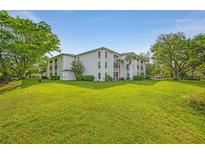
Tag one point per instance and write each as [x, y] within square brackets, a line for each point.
[90, 62]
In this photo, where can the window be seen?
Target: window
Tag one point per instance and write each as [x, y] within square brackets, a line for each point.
[78, 58]
[51, 61]
[55, 73]
[141, 67]
[128, 76]
[99, 54]
[50, 74]
[105, 64]
[115, 75]
[116, 65]
[55, 61]
[105, 54]
[115, 56]
[138, 66]
[99, 76]
[141, 61]
[99, 66]
[51, 67]
[137, 60]
[127, 67]
[56, 66]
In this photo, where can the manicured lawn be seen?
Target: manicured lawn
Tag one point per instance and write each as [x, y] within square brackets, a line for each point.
[100, 112]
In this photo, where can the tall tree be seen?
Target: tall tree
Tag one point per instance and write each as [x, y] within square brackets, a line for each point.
[30, 42]
[78, 69]
[120, 62]
[181, 54]
[170, 50]
[129, 58]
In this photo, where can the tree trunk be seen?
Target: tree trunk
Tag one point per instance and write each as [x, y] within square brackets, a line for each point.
[193, 73]
[5, 78]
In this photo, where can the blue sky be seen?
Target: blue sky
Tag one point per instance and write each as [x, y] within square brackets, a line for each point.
[122, 31]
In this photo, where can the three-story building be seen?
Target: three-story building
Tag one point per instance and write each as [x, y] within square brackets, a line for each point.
[98, 62]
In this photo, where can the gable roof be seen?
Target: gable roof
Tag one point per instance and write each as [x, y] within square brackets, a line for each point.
[93, 50]
[101, 48]
[61, 54]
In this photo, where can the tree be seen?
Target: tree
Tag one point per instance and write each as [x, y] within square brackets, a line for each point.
[179, 53]
[78, 69]
[119, 63]
[27, 43]
[197, 59]
[129, 58]
[201, 68]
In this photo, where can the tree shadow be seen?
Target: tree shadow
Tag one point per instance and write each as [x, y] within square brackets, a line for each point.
[17, 84]
[83, 84]
[198, 83]
[103, 85]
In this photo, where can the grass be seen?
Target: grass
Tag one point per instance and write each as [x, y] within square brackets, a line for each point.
[100, 112]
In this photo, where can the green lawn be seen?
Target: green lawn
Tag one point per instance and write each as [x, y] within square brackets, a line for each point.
[100, 112]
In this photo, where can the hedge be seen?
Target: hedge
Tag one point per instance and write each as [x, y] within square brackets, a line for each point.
[88, 78]
[55, 77]
[138, 77]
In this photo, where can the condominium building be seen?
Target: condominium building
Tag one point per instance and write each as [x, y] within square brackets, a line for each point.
[98, 62]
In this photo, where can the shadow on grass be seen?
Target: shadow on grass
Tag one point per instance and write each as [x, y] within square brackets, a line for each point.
[17, 84]
[83, 84]
[193, 82]
[90, 85]
[103, 85]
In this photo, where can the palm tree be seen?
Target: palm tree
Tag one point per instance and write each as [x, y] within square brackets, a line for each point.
[119, 62]
[129, 58]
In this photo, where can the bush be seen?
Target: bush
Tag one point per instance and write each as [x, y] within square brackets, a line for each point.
[121, 78]
[88, 78]
[108, 78]
[191, 78]
[138, 77]
[44, 77]
[79, 77]
[196, 101]
[55, 77]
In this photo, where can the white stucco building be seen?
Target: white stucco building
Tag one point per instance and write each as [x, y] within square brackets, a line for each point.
[98, 62]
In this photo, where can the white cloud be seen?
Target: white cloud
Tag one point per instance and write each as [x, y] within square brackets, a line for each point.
[25, 15]
[191, 27]
[182, 20]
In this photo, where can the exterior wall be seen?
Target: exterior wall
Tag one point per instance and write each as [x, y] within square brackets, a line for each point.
[67, 75]
[52, 63]
[63, 64]
[90, 62]
[66, 62]
[134, 68]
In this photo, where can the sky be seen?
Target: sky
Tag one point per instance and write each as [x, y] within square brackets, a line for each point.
[121, 31]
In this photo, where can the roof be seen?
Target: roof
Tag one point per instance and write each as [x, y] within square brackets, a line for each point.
[101, 48]
[90, 51]
[72, 55]
[125, 53]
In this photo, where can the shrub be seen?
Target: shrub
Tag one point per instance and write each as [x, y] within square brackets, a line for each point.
[79, 77]
[138, 77]
[196, 101]
[108, 78]
[55, 77]
[121, 78]
[191, 78]
[88, 78]
[44, 77]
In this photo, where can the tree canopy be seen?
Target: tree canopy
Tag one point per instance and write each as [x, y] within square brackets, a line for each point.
[179, 53]
[23, 43]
